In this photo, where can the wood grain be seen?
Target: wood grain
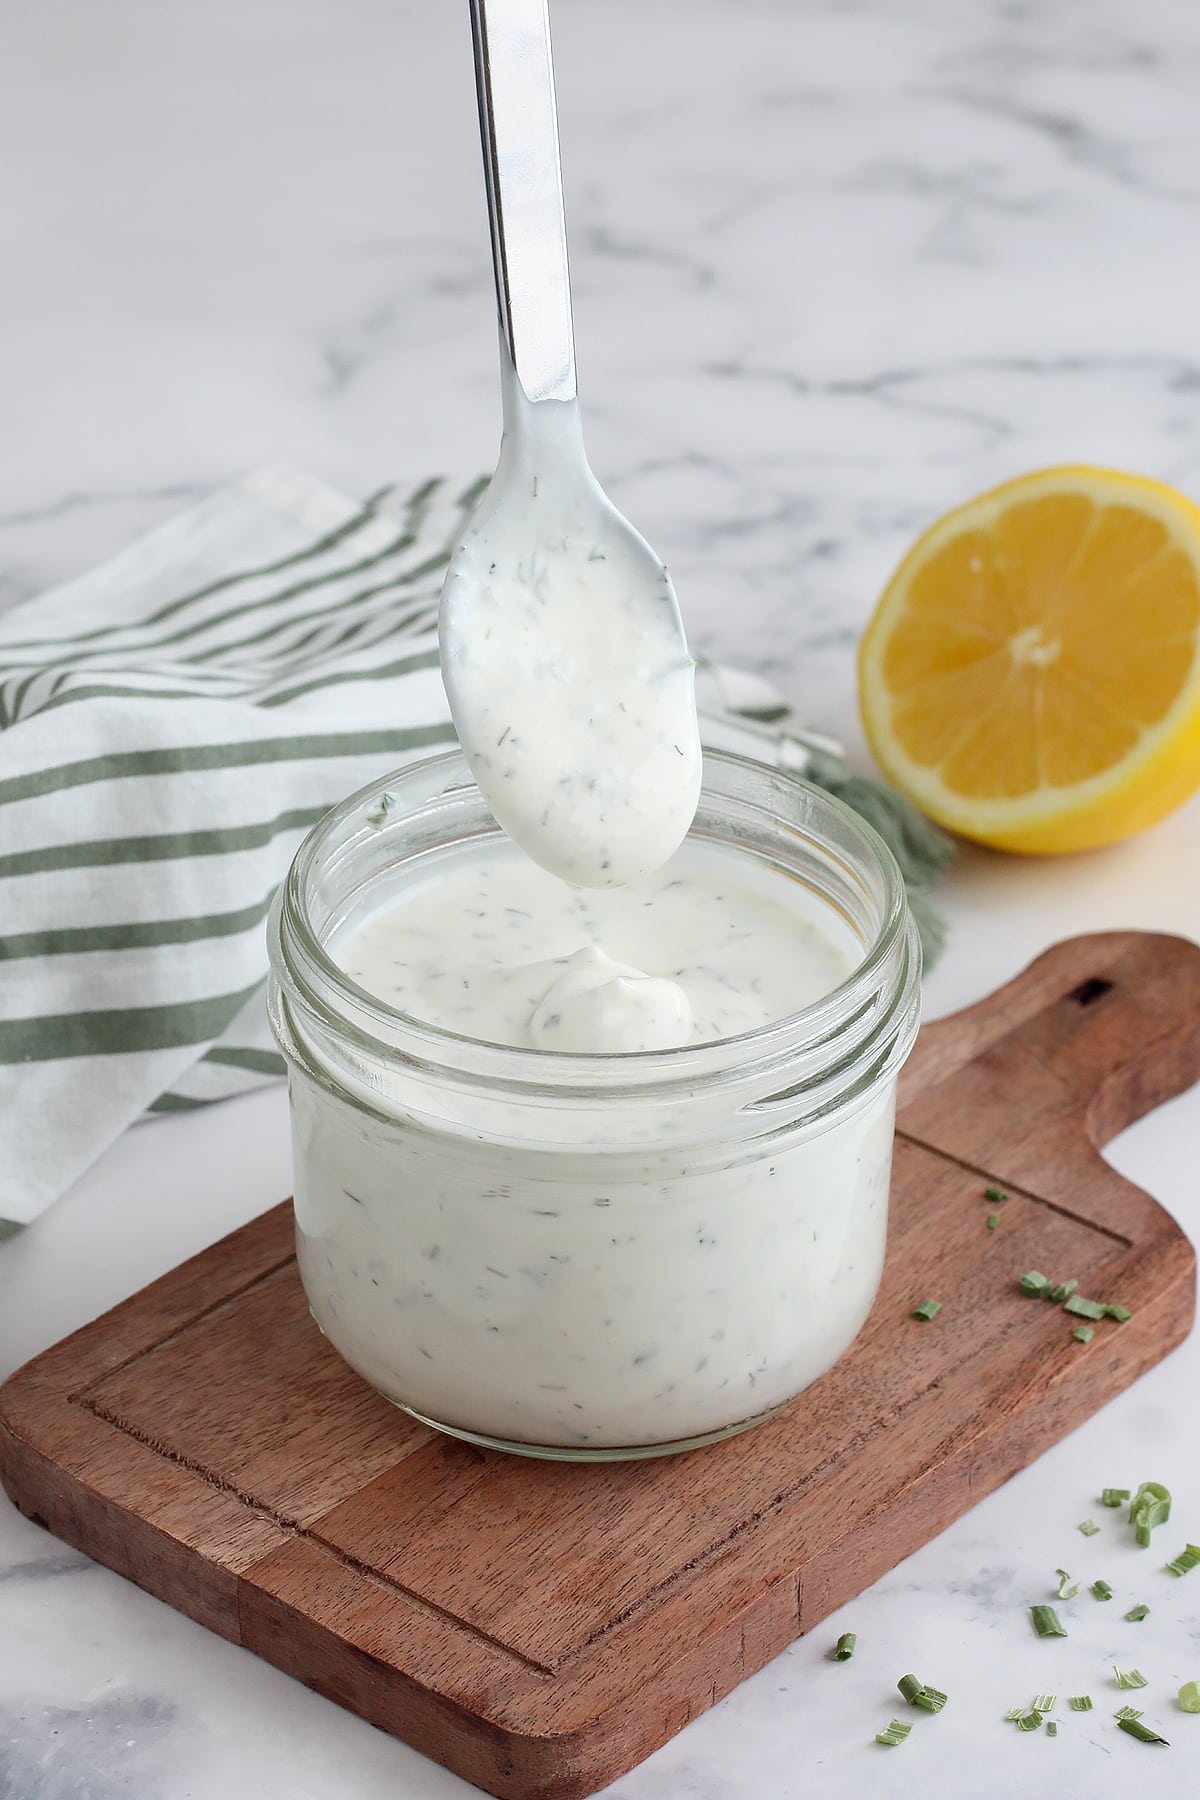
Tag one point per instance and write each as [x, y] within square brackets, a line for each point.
[540, 1628]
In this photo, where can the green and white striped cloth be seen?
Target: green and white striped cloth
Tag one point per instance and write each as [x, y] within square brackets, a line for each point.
[170, 726]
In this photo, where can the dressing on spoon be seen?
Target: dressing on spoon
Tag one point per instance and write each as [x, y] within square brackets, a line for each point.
[562, 647]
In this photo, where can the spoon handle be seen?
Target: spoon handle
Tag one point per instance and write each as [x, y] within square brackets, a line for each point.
[518, 122]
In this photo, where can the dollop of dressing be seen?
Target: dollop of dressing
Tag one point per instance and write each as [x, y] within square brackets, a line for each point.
[600, 1006]
[565, 664]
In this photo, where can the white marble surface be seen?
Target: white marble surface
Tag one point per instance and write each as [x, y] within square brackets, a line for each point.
[836, 266]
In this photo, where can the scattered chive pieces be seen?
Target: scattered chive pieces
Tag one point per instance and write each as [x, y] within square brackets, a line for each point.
[1015, 1712]
[1115, 1496]
[1087, 1527]
[1030, 1720]
[1189, 1696]
[1063, 1291]
[1080, 1703]
[928, 1309]
[1137, 1613]
[1129, 1678]
[1127, 1712]
[1083, 1309]
[1101, 1590]
[1141, 1732]
[1034, 1283]
[1083, 1333]
[1051, 1728]
[993, 1221]
[994, 1194]
[1187, 1559]
[1067, 1590]
[845, 1646]
[910, 1687]
[895, 1733]
[1045, 1703]
[1046, 1622]
[931, 1699]
[1121, 1314]
[1150, 1506]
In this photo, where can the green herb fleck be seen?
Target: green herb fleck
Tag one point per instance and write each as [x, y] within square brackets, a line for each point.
[1084, 1309]
[1129, 1678]
[993, 1222]
[1186, 1561]
[1034, 1283]
[1121, 1314]
[845, 1646]
[1046, 1622]
[895, 1733]
[928, 1309]
[1045, 1703]
[1067, 1589]
[1063, 1291]
[1141, 1732]
[386, 805]
[1102, 1590]
[1137, 1613]
[1189, 1696]
[1114, 1496]
[1127, 1712]
[1029, 1721]
[1083, 1333]
[1080, 1703]
[1014, 1713]
[995, 1195]
[1051, 1728]
[1088, 1528]
[1150, 1506]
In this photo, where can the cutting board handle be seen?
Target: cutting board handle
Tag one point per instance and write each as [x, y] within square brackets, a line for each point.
[1092, 1035]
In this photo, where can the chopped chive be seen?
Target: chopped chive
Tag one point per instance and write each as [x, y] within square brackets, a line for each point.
[1063, 1291]
[1051, 1728]
[1029, 1721]
[895, 1733]
[1087, 1527]
[1083, 1309]
[994, 1194]
[845, 1646]
[931, 1699]
[1186, 1561]
[1127, 1712]
[1141, 1732]
[909, 1687]
[1034, 1283]
[1121, 1314]
[1015, 1712]
[1080, 1703]
[1045, 1703]
[928, 1309]
[993, 1221]
[1046, 1622]
[1067, 1590]
[1114, 1496]
[1129, 1678]
[1150, 1506]
[1083, 1333]
[1189, 1696]
[1102, 1590]
[1137, 1613]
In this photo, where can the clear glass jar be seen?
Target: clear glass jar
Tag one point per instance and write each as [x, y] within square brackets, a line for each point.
[591, 1257]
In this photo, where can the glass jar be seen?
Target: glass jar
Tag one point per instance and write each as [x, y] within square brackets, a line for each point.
[591, 1257]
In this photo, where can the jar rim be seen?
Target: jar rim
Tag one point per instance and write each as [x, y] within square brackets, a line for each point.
[304, 971]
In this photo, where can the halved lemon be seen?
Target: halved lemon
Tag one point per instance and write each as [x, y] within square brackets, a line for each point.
[1031, 676]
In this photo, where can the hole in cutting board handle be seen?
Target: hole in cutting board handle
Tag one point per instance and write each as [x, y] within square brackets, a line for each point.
[1089, 991]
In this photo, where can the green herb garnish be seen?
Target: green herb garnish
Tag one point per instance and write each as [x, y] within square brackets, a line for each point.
[1087, 1527]
[1150, 1506]
[1189, 1696]
[1014, 1713]
[917, 1693]
[1083, 1333]
[1051, 1728]
[379, 817]
[1029, 1721]
[1137, 1613]
[1034, 1283]
[1102, 1590]
[1083, 1309]
[1127, 1712]
[1121, 1314]
[995, 1195]
[1065, 1592]
[895, 1733]
[1046, 1622]
[1114, 1496]
[1129, 1678]
[928, 1309]
[1141, 1732]
[993, 1221]
[1045, 1703]
[1186, 1561]
[1063, 1291]
[845, 1646]
[1080, 1703]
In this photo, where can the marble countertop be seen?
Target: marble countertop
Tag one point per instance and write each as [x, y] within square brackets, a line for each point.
[836, 266]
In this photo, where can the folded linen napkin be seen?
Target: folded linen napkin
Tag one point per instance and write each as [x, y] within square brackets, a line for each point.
[171, 724]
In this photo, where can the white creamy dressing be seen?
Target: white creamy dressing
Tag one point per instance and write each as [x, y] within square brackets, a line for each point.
[569, 679]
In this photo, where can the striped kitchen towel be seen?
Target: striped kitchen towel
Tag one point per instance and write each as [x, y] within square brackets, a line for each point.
[170, 726]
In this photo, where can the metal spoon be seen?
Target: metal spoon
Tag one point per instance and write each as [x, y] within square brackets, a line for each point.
[562, 646]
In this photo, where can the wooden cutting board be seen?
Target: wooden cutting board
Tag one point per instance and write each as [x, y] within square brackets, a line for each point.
[541, 1627]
